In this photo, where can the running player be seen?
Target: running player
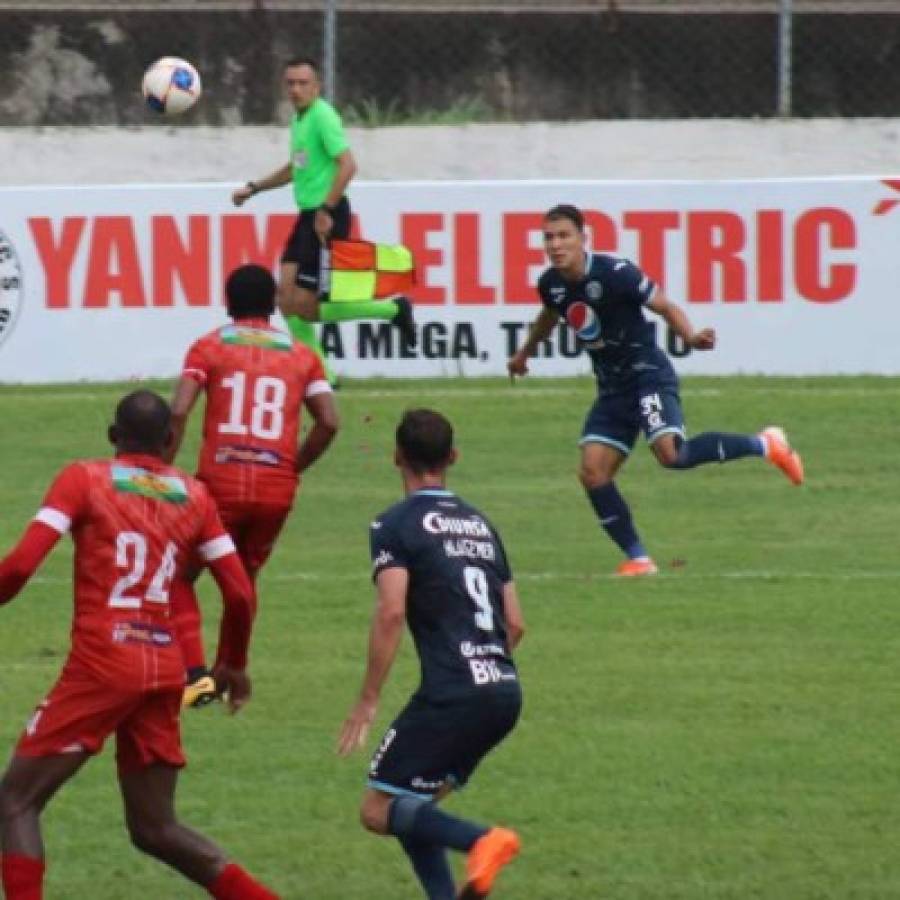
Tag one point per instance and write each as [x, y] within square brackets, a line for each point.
[601, 297]
[440, 566]
[135, 522]
[256, 379]
[321, 166]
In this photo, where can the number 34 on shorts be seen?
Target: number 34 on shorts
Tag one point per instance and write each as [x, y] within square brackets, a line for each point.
[660, 412]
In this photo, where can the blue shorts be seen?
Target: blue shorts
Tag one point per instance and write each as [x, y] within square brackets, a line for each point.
[616, 418]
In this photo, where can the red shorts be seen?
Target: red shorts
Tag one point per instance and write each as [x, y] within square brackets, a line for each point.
[81, 711]
[254, 528]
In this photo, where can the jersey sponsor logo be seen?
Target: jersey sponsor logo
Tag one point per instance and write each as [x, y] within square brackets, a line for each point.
[244, 336]
[585, 323]
[469, 650]
[134, 480]
[141, 633]
[437, 523]
[301, 159]
[10, 287]
[488, 671]
[236, 454]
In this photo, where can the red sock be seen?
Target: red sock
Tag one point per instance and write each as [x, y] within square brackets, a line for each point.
[23, 877]
[234, 883]
[188, 627]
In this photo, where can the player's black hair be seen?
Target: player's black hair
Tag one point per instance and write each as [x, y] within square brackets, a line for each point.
[250, 292]
[142, 423]
[302, 61]
[425, 439]
[566, 211]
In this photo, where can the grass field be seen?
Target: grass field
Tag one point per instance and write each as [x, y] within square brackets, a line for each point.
[727, 731]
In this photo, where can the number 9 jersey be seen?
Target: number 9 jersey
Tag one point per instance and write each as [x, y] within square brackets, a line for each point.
[256, 380]
[457, 570]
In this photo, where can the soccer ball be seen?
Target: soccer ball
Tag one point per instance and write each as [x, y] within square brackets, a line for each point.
[171, 86]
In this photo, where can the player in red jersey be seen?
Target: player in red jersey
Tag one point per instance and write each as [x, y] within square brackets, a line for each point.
[256, 379]
[135, 522]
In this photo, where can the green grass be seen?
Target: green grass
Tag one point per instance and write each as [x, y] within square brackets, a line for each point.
[727, 731]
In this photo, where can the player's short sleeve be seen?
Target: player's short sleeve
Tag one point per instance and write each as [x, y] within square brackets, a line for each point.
[315, 378]
[387, 547]
[625, 279]
[331, 130]
[543, 289]
[213, 541]
[66, 498]
[196, 363]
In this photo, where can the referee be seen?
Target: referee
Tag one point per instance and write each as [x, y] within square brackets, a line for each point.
[321, 166]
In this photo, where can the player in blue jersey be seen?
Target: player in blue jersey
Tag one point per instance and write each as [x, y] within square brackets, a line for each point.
[439, 565]
[602, 296]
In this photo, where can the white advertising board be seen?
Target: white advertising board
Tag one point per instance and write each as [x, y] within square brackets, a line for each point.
[798, 276]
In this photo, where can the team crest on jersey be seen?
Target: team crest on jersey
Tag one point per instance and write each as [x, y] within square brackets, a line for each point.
[244, 336]
[585, 323]
[134, 480]
[594, 290]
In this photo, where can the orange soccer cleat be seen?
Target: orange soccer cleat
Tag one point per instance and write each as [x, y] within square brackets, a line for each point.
[487, 857]
[634, 568]
[780, 453]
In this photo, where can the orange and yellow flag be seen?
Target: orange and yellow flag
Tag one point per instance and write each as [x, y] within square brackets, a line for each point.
[362, 270]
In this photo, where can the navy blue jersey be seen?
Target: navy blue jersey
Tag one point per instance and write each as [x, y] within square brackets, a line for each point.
[605, 310]
[457, 569]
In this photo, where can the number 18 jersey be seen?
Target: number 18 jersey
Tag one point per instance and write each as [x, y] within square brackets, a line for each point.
[256, 380]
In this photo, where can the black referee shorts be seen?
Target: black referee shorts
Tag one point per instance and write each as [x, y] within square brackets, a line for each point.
[303, 245]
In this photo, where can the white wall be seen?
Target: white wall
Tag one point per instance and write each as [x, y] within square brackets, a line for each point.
[592, 150]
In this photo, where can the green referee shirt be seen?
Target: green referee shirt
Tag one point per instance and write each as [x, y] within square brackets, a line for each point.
[317, 139]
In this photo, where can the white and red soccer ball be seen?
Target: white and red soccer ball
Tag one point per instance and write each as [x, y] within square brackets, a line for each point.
[171, 86]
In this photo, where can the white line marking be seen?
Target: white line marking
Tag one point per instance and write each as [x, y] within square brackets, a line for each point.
[750, 575]
[502, 389]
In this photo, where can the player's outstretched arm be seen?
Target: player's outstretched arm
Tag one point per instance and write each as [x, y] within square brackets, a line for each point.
[326, 423]
[384, 640]
[676, 318]
[540, 329]
[512, 612]
[26, 558]
[183, 399]
[278, 178]
[239, 609]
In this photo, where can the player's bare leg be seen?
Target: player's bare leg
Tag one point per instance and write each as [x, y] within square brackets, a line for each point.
[27, 786]
[149, 797]
[600, 462]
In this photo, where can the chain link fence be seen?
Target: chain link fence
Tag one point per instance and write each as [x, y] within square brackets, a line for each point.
[437, 61]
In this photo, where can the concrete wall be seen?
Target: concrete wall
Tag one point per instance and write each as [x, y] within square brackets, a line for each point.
[619, 150]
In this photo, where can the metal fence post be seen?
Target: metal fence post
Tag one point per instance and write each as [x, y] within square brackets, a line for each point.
[329, 50]
[785, 23]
